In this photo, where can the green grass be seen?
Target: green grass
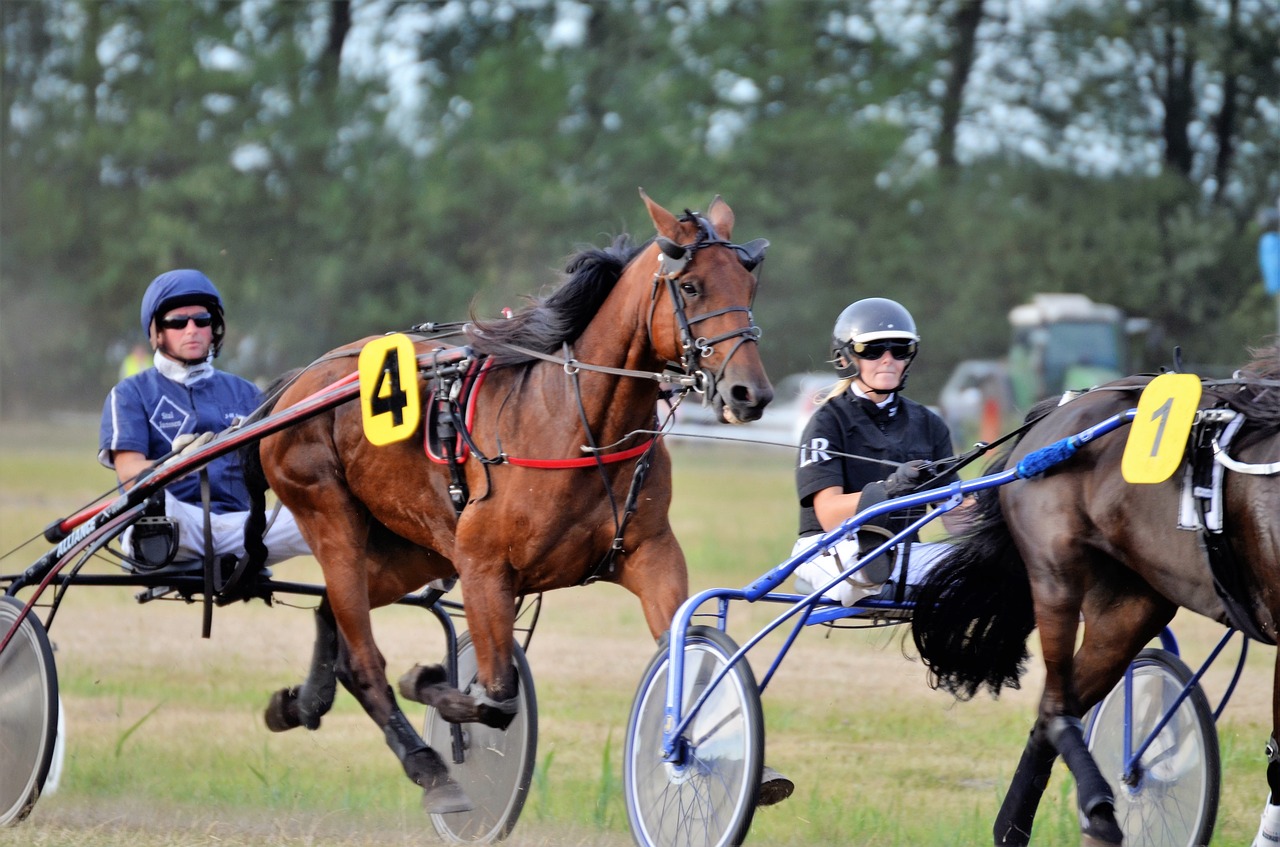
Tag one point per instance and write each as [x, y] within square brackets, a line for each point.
[166, 743]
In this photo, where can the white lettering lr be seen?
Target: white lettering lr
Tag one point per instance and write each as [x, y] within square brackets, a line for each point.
[815, 451]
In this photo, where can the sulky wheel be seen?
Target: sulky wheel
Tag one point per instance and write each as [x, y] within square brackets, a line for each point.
[707, 797]
[28, 712]
[1170, 798]
[494, 766]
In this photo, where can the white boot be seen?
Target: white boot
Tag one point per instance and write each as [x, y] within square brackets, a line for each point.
[1269, 830]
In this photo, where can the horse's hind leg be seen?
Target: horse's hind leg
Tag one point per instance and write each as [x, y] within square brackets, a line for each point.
[440, 793]
[304, 705]
[1018, 811]
[1057, 616]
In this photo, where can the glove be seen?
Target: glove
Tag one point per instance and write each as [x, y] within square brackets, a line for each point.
[905, 480]
[189, 442]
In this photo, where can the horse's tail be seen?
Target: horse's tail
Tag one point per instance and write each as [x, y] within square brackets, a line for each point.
[973, 613]
[255, 478]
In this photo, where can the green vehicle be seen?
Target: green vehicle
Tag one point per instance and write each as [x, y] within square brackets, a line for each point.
[1063, 342]
[1060, 342]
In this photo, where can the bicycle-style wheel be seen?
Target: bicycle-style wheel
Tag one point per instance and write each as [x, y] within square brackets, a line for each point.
[709, 797]
[497, 765]
[1171, 798]
[28, 712]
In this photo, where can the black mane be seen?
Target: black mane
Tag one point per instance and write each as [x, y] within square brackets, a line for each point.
[1257, 395]
[561, 316]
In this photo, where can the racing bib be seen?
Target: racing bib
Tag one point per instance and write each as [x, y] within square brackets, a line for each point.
[390, 405]
[1161, 427]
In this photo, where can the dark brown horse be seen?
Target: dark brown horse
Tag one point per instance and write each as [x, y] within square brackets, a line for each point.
[1078, 542]
[573, 376]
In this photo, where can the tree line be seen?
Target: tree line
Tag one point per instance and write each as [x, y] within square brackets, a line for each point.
[350, 167]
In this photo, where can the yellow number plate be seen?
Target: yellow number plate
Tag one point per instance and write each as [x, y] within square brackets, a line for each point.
[389, 398]
[1161, 427]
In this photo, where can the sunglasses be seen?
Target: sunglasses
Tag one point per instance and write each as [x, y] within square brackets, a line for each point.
[202, 319]
[873, 350]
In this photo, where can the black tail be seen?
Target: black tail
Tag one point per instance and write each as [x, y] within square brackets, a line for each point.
[974, 613]
[255, 526]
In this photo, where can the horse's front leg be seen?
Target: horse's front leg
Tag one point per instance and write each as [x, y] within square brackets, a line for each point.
[493, 698]
[656, 573]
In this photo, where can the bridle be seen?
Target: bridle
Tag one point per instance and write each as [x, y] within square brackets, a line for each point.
[673, 262]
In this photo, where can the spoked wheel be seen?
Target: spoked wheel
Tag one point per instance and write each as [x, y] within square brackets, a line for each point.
[1171, 798]
[496, 765]
[28, 712]
[708, 798]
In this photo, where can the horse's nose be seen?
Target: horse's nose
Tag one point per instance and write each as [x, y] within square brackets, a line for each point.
[749, 400]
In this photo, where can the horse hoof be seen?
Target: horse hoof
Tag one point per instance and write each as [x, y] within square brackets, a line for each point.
[420, 677]
[282, 712]
[445, 798]
[1101, 829]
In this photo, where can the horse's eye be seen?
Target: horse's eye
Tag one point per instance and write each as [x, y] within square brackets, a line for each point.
[689, 288]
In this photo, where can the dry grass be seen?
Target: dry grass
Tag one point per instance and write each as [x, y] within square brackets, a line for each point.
[878, 758]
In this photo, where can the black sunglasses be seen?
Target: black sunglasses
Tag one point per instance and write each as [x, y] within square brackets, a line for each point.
[202, 319]
[873, 350]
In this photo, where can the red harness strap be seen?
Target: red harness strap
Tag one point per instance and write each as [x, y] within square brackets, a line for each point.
[584, 462]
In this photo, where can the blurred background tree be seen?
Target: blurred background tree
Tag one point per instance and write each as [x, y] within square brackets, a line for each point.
[348, 167]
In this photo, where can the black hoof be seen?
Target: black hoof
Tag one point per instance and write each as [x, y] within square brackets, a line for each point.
[444, 798]
[282, 712]
[1101, 830]
[419, 678]
[774, 787]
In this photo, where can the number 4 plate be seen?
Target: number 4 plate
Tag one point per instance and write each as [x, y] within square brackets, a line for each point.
[1161, 427]
[389, 399]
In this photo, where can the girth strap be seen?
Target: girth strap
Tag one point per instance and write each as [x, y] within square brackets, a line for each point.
[1206, 484]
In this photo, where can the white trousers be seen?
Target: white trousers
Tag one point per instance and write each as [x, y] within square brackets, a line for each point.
[283, 539]
[822, 569]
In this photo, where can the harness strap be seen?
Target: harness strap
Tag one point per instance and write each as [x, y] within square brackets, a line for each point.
[584, 462]
[207, 624]
[1225, 567]
[638, 476]
[572, 365]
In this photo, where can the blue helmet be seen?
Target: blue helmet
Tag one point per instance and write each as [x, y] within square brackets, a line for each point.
[183, 288]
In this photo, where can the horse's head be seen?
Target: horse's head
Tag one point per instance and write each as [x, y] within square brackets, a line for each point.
[709, 284]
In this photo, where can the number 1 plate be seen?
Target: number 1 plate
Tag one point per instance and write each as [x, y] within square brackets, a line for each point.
[389, 399]
[1161, 427]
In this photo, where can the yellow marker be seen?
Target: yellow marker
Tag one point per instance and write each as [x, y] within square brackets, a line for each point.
[389, 398]
[1161, 427]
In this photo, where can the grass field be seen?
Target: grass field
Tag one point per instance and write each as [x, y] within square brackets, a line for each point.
[166, 745]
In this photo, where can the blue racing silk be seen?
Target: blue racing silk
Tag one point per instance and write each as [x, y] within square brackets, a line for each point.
[147, 411]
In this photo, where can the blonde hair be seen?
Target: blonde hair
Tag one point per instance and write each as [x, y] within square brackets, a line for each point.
[836, 390]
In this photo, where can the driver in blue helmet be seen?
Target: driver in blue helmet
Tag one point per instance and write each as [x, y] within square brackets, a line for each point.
[181, 403]
[865, 444]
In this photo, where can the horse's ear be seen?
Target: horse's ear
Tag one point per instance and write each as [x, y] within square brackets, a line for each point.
[664, 221]
[721, 217]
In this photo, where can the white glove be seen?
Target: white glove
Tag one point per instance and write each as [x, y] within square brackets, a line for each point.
[189, 442]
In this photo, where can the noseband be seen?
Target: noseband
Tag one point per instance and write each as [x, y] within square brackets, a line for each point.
[673, 259]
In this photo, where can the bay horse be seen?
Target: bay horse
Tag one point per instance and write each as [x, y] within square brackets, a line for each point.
[1079, 543]
[570, 380]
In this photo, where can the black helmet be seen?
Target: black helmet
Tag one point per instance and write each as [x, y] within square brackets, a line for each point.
[868, 321]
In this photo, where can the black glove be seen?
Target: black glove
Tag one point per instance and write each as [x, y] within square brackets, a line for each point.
[906, 479]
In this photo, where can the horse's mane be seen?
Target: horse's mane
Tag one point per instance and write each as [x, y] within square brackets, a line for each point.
[1254, 392]
[561, 316]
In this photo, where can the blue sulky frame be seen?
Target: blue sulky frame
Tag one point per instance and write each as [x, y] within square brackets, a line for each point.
[814, 608]
[1166, 759]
